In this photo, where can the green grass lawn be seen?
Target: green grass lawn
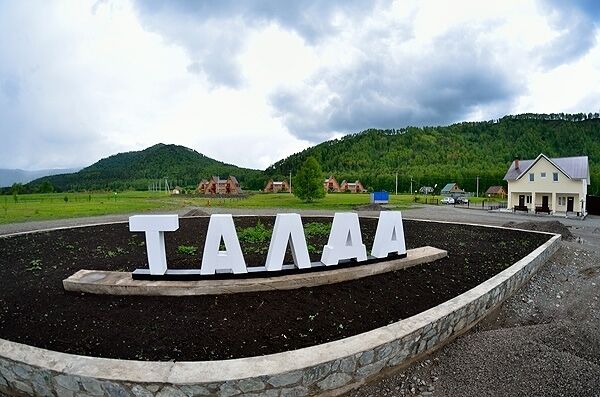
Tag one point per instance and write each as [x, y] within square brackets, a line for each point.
[335, 201]
[53, 205]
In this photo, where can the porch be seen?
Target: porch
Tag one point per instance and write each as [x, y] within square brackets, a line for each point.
[546, 202]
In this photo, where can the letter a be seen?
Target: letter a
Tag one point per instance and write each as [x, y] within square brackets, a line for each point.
[221, 227]
[389, 236]
[345, 240]
[288, 229]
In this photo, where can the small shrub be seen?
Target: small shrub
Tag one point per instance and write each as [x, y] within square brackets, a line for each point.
[34, 265]
[187, 249]
[315, 229]
[257, 234]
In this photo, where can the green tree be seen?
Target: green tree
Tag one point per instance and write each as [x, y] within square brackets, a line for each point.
[308, 184]
[17, 188]
[46, 187]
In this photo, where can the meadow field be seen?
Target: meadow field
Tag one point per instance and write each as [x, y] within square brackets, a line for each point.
[28, 207]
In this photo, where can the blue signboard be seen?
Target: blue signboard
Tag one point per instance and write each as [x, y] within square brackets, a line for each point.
[380, 197]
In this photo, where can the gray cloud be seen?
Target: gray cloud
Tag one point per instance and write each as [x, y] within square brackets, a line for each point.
[439, 85]
[577, 21]
[310, 18]
[213, 32]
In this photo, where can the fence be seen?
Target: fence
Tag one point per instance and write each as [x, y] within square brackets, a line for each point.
[593, 205]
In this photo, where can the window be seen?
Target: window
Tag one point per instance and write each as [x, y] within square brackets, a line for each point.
[531, 177]
[555, 176]
[543, 175]
[528, 199]
[562, 201]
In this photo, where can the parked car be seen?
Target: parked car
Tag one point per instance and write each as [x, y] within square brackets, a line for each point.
[447, 200]
[462, 200]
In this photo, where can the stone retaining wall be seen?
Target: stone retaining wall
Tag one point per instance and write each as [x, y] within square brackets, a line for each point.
[327, 369]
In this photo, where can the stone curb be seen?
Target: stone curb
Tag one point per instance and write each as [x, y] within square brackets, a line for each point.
[327, 369]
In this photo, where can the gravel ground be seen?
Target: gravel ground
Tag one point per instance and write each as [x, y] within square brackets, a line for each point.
[544, 341]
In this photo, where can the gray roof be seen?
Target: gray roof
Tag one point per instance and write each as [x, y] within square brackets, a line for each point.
[573, 167]
[448, 187]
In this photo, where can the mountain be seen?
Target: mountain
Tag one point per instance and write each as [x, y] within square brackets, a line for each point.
[10, 176]
[136, 170]
[457, 153]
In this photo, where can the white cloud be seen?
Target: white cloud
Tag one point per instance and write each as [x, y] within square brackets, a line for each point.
[251, 82]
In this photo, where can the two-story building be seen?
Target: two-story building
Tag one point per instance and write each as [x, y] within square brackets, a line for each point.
[277, 186]
[331, 185]
[216, 185]
[352, 187]
[550, 185]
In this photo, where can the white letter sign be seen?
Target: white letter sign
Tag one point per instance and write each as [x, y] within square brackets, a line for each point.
[345, 240]
[389, 236]
[288, 229]
[154, 226]
[213, 259]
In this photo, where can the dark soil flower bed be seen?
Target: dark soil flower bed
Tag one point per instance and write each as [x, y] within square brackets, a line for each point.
[35, 310]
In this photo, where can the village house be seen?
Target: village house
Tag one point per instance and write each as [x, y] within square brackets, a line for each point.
[496, 191]
[352, 187]
[215, 185]
[426, 190]
[277, 186]
[331, 185]
[202, 186]
[452, 190]
[549, 185]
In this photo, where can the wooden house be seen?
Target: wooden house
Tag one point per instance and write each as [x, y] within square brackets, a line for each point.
[331, 185]
[452, 190]
[352, 187]
[202, 186]
[277, 186]
[216, 185]
[496, 191]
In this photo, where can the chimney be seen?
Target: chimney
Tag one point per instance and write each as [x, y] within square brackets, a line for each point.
[516, 164]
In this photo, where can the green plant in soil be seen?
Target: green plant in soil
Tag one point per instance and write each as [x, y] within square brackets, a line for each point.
[34, 265]
[187, 249]
[317, 229]
[108, 253]
[255, 234]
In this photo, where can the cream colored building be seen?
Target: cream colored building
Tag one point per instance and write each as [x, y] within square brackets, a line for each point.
[553, 186]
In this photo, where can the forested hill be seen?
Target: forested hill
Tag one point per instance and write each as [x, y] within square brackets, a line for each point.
[457, 153]
[136, 170]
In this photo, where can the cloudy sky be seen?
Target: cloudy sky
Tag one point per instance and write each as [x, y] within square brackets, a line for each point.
[250, 82]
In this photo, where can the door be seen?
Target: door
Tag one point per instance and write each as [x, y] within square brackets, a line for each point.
[570, 201]
[521, 200]
[544, 201]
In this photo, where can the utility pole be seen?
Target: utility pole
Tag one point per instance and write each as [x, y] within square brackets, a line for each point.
[290, 181]
[411, 192]
[396, 183]
[477, 186]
